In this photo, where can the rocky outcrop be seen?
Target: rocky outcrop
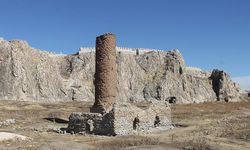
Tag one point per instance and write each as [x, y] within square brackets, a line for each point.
[143, 75]
[223, 86]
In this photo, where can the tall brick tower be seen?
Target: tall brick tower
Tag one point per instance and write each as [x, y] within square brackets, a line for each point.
[105, 74]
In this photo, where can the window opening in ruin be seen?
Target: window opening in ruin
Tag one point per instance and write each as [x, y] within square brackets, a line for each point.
[157, 121]
[137, 51]
[158, 92]
[90, 126]
[180, 70]
[171, 100]
[136, 123]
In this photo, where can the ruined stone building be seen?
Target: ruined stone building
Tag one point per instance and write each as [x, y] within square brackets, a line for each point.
[109, 116]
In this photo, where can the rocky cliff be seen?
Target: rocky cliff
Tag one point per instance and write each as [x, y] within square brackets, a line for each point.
[143, 75]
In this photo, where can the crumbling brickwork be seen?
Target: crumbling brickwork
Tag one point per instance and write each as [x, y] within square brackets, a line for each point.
[106, 74]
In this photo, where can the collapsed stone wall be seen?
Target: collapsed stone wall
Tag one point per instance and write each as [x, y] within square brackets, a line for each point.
[30, 74]
[124, 119]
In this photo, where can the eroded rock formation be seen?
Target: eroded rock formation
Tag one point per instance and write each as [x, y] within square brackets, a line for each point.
[143, 75]
[223, 86]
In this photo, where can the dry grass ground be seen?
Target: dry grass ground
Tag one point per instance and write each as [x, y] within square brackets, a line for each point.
[198, 126]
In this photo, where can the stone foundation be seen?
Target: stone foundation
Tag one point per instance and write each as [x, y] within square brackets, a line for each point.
[124, 119]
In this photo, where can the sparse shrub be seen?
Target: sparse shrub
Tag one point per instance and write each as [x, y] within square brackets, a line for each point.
[172, 136]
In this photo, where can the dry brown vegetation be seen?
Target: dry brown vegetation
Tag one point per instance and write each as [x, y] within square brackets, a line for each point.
[214, 125]
[127, 141]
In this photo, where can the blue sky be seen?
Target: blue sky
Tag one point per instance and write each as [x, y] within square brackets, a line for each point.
[209, 33]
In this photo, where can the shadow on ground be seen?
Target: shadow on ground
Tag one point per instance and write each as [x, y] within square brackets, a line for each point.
[57, 120]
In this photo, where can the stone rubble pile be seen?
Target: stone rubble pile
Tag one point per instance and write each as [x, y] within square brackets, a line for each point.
[7, 122]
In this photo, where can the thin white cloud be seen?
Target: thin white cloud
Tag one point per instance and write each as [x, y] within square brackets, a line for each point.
[243, 81]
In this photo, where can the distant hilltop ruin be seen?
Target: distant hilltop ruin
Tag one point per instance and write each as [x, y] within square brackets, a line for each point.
[144, 75]
[135, 51]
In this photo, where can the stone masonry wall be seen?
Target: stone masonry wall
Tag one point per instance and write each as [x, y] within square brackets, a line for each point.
[121, 120]
[125, 116]
[91, 123]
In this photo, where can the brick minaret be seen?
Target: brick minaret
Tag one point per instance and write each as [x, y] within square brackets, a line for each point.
[105, 74]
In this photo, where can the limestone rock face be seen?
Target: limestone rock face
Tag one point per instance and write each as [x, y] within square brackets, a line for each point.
[29, 74]
[143, 75]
